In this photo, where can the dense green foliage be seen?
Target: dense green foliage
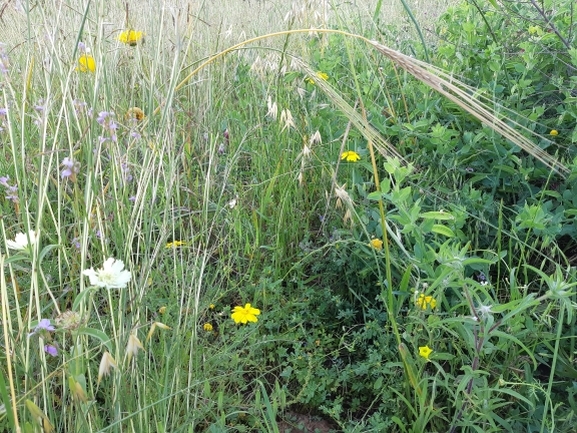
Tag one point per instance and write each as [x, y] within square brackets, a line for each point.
[432, 293]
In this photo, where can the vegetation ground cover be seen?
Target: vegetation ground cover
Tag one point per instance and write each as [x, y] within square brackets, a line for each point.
[367, 216]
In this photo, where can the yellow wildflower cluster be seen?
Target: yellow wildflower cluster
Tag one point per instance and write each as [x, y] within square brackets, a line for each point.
[130, 37]
[424, 302]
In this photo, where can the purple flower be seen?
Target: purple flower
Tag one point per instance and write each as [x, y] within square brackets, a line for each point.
[40, 106]
[3, 112]
[43, 325]
[51, 350]
[11, 190]
[126, 171]
[76, 243]
[3, 59]
[136, 135]
[71, 168]
[102, 116]
[82, 47]
[79, 106]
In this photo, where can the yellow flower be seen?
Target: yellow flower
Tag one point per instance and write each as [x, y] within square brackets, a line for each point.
[162, 310]
[245, 314]
[175, 244]
[212, 306]
[207, 327]
[350, 156]
[424, 301]
[130, 37]
[135, 113]
[322, 75]
[425, 351]
[377, 244]
[554, 132]
[86, 63]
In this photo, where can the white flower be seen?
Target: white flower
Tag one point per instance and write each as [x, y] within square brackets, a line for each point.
[112, 275]
[21, 241]
[133, 345]
[484, 310]
[106, 364]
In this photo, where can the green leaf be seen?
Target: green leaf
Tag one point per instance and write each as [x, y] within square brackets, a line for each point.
[45, 251]
[375, 195]
[6, 399]
[442, 216]
[443, 230]
[79, 298]
[99, 335]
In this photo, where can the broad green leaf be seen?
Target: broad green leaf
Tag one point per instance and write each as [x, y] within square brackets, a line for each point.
[440, 215]
[443, 230]
[98, 335]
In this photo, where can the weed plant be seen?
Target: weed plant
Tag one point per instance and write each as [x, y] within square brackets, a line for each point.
[201, 234]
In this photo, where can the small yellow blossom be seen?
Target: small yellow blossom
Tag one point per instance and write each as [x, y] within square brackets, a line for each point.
[554, 132]
[130, 37]
[425, 351]
[212, 306]
[322, 75]
[245, 314]
[350, 156]
[86, 63]
[135, 113]
[425, 301]
[162, 309]
[207, 327]
[175, 244]
[377, 244]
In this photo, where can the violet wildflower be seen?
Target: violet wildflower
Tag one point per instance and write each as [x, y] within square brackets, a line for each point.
[40, 106]
[11, 190]
[79, 106]
[126, 172]
[106, 120]
[43, 325]
[3, 59]
[51, 350]
[70, 170]
[76, 243]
